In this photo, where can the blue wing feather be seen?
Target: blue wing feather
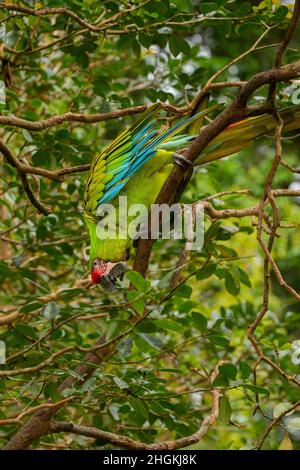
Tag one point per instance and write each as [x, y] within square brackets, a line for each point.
[111, 193]
[132, 149]
[145, 142]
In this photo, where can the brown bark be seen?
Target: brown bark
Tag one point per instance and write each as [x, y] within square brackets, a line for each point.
[39, 424]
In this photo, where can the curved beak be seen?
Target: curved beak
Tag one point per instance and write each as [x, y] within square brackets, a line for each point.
[109, 284]
[118, 270]
[109, 281]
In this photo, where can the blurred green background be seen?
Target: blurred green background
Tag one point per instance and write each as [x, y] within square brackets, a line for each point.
[156, 384]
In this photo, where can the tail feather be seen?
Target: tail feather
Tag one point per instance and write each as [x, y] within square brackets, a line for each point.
[186, 123]
[195, 127]
[239, 135]
[191, 125]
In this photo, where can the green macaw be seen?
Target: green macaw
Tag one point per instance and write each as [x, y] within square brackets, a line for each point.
[138, 162]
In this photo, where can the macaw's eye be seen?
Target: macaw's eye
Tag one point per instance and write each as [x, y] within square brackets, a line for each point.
[95, 263]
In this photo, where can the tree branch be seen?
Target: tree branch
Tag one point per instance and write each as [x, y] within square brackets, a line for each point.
[268, 196]
[284, 45]
[34, 126]
[98, 26]
[274, 422]
[38, 425]
[127, 443]
[22, 170]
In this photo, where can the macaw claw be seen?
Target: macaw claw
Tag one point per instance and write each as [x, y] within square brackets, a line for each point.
[182, 161]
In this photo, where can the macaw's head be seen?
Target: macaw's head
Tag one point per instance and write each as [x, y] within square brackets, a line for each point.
[106, 273]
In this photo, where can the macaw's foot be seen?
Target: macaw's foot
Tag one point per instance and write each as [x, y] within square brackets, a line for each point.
[182, 161]
[115, 271]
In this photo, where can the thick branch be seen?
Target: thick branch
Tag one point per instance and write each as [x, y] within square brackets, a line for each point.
[39, 424]
[35, 126]
[236, 111]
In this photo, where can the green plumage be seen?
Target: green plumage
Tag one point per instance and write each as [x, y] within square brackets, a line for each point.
[138, 162]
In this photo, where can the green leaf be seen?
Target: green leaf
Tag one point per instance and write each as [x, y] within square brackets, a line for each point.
[26, 331]
[145, 40]
[219, 340]
[235, 275]
[225, 28]
[115, 327]
[286, 443]
[150, 340]
[31, 307]
[139, 407]
[199, 320]
[259, 390]
[177, 44]
[225, 410]
[51, 391]
[293, 425]
[206, 272]
[101, 86]
[184, 291]
[220, 381]
[183, 5]
[245, 370]
[141, 284]
[281, 408]
[120, 383]
[244, 278]
[208, 7]
[114, 411]
[71, 293]
[165, 281]
[139, 306]
[230, 285]
[169, 325]
[225, 251]
[89, 384]
[280, 13]
[228, 370]
[5, 269]
[232, 279]
[158, 408]
[173, 46]
[247, 28]
[148, 326]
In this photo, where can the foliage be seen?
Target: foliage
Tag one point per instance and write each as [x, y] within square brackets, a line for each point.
[155, 384]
